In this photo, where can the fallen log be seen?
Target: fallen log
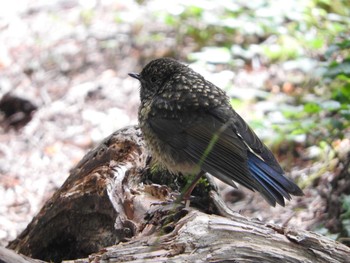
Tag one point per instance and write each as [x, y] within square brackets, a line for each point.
[110, 210]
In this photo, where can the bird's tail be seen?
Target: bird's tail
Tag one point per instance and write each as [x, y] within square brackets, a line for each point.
[274, 186]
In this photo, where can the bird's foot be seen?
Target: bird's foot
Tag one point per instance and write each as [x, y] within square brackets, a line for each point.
[167, 215]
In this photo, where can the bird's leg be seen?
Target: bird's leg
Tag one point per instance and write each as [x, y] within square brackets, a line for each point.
[186, 195]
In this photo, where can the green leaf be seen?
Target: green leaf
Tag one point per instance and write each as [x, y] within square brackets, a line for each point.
[316, 43]
[312, 107]
[338, 69]
[298, 132]
[170, 20]
[342, 94]
[344, 45]
[236, 103]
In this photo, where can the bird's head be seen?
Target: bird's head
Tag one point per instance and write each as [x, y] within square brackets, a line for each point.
[155, 74]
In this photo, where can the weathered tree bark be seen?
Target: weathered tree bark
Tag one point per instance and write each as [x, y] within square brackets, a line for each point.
[9, 256]
[108, 198]
[340, 187]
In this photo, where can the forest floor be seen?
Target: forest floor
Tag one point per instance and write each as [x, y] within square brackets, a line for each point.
[73, 67]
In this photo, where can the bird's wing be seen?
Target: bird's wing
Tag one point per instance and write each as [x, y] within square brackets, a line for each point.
[210, 144]
[262, 164]
[254, 143]
[226, 150]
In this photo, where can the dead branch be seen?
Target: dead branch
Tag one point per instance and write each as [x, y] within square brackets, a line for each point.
[108, 200]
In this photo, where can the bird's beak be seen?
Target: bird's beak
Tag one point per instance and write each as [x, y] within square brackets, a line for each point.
[135, 76]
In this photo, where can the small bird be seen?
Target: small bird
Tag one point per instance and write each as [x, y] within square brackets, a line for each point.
[190, 127]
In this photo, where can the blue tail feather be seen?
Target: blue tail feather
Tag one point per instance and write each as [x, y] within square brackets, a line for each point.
[274, 186]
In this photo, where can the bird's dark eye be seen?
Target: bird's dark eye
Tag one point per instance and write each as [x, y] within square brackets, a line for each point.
[153, 79]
